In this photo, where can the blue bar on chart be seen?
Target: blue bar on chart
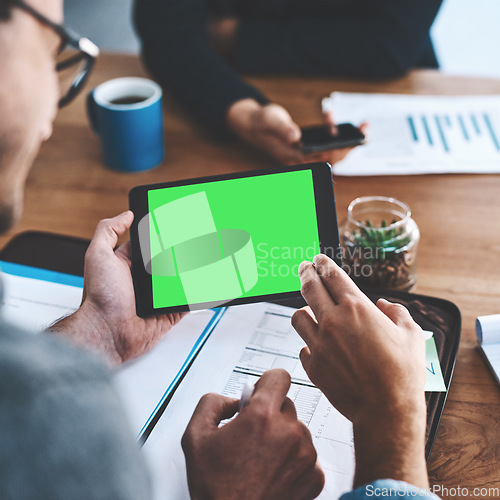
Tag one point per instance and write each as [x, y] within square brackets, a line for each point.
[489, 127]
[412, 128]
[441, 134]
[427, 131]
[465, 132]
[475, 124]
[435, 130]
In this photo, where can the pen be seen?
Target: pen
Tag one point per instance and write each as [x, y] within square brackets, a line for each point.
[246, 394]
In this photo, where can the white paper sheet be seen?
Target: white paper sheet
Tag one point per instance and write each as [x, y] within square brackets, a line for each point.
[488, 335]
[249, 340]
[414, 134]
[142, 382]
[492, 352]
[488, 329]
[34, 304]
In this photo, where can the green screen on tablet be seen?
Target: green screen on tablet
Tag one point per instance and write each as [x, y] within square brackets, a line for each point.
[234, 238]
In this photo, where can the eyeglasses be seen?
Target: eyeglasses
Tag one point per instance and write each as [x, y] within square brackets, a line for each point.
[75, 59]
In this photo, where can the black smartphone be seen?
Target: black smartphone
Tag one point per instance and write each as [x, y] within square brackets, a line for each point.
[318, 138]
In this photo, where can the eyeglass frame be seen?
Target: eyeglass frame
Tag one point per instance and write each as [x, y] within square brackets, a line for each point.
[87, 51]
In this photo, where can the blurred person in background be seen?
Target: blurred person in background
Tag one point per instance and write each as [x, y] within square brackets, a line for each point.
[196, 49]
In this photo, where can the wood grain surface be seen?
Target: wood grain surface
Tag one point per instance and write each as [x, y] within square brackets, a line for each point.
[69, 190]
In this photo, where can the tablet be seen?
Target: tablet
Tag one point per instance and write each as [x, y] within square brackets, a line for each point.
[229, 239]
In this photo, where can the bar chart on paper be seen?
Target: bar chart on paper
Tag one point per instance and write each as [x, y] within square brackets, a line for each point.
[452, 132]
[421, 134]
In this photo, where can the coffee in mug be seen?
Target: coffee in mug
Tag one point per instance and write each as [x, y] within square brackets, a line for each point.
[133, 99]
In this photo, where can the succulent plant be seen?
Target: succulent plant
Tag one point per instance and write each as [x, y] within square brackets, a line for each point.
[387, 240]
[388, 251]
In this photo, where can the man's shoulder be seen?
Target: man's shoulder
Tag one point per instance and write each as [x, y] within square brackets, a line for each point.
[65, 431]
[37, 360]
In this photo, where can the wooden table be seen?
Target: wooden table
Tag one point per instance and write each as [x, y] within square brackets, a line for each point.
[69, 190]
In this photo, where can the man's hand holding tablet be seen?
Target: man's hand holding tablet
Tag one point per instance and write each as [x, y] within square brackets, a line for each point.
[107, 322]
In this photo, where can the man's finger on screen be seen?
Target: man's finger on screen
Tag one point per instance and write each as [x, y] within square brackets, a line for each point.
[335, 279]
[313, 290]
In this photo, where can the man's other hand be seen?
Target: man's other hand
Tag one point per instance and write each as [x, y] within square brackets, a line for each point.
[369, 360]
[265, 452]
[107, 321]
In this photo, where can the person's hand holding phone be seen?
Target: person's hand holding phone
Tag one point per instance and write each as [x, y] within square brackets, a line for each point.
[265, 452]
[271, 129]
[369, 361]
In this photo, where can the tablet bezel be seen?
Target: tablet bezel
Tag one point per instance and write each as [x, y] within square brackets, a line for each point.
[327, 230]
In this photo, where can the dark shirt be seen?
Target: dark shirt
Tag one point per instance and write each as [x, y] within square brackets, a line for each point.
[349, 38]
[63, 434]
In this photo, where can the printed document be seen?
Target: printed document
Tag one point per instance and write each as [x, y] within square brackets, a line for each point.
[247, 341]
[35, 298]
[417, 134]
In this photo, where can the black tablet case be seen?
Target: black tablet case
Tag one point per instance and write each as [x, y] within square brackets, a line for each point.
[66, 254]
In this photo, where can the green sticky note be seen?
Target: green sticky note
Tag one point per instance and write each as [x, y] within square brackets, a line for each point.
[434, 381]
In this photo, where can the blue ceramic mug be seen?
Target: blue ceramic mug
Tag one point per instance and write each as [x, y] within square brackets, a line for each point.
[126, 114]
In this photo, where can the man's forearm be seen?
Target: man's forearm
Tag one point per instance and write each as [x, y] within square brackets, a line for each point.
[392, 445]
[88, 330]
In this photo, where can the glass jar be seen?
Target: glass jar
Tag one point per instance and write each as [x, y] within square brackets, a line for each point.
[379, 243]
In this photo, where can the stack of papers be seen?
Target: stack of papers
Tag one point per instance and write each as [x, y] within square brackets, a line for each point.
[414, 134]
